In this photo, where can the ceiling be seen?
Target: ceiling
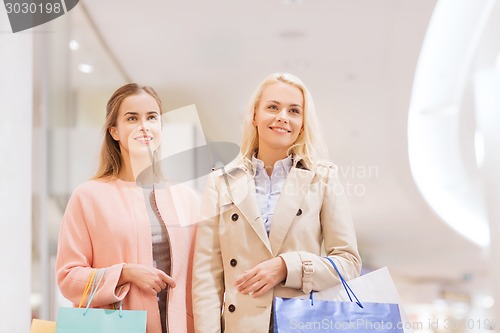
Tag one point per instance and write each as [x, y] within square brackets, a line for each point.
[357, 57]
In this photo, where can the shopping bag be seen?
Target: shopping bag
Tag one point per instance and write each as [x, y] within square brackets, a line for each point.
[42, 326]
[79, 320]
[376, 286]
[88, 320]
[313, 315]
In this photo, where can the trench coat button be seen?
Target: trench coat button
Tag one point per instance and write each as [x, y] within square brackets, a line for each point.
[233, 262]
[231, 308]
[234, 217]
[299, 212]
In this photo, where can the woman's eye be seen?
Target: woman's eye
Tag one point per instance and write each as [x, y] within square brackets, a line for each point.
[132, 118]
[152, 117]
[274, 107]
[295, 110]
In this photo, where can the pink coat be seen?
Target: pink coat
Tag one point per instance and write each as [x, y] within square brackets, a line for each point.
[106, 224]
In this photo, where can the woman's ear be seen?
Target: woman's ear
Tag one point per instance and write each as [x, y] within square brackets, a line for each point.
[114, 133]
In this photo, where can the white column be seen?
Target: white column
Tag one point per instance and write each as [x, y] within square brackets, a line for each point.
[487, 99]
[15, 177]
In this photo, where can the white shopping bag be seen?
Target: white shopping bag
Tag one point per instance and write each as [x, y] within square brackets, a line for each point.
[376, 286]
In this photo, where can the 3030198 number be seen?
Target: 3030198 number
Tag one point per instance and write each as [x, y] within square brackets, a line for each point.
[33, 8]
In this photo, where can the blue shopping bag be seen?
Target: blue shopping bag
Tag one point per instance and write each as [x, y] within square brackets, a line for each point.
[88, 320]
[308, 315]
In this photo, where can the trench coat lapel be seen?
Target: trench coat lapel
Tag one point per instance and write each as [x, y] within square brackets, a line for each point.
[292, 195]
[242, 194]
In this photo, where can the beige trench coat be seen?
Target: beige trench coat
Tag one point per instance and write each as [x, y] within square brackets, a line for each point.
[231, 238]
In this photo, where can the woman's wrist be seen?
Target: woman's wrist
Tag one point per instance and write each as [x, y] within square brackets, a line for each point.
[124, 277]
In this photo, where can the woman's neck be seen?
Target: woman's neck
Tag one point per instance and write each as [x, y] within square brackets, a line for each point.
[126, 173]
[270, 157]
[131, 170]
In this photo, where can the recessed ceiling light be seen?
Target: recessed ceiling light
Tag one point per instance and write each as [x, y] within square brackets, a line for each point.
[85, 68]
[74, 45]
[487, 301]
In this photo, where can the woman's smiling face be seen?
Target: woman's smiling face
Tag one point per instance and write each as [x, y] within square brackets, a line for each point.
[279, 116]
[138, 126]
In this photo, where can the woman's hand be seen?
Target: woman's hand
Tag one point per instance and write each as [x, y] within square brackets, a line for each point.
[148, 279]
[260, 279]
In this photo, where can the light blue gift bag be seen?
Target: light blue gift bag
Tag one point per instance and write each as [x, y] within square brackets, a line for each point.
[88, 320]
[295, 315]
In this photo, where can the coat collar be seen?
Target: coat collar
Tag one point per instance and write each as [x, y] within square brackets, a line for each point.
[245, 164]
[239, 175]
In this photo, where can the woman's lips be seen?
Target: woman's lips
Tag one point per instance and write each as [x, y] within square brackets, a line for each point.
[144, 139]
[279, 129]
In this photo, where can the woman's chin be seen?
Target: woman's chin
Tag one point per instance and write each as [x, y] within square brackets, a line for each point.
[141, 148]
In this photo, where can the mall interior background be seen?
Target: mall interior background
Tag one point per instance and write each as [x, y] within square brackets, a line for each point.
[407, 93]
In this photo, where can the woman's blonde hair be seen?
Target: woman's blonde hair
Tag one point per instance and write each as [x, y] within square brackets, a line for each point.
[111, 163]
[309, 146]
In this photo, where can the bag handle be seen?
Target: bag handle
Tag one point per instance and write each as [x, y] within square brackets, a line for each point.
[87, 287]
[93, 283]
[348, 289]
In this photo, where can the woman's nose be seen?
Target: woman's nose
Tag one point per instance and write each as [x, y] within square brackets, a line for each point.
[143, 127]
[282, 115]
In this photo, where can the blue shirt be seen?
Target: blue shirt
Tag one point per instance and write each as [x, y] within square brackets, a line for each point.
[268, 189]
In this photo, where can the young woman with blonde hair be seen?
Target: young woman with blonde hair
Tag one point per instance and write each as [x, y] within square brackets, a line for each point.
[270, 215]
[139, 232]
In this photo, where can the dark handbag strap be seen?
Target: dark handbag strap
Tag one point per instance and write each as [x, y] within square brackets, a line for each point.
[348, 289]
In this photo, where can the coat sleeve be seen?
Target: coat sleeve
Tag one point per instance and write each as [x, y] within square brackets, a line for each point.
[74, 262]
[339, 242]
[208, 279]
